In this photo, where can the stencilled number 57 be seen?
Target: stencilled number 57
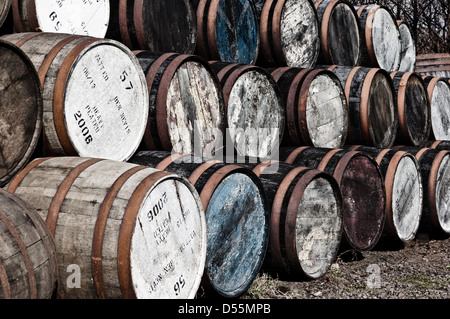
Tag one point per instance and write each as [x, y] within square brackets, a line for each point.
[123, 78]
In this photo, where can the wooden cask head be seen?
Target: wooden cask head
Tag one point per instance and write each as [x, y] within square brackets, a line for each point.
[21, 110]
[439, 95]
[4, 11]
[409, 52]
[88, 18]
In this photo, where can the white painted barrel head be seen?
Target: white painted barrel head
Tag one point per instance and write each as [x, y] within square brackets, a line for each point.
[409, 52]
[326, 112]
[87, 17]
[106, 102]
[168, 246]
[442, 194]
[255, 115]
[386, 40]
[440, 111]
[299, 33]
[318, 227]
[407, 198]
[194, 107]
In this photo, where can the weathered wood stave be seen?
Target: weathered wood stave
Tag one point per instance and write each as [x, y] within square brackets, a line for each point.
[21, 111]
[237, 218]
[4, 11]
[362, 187]
[433, 64]
[28, 262]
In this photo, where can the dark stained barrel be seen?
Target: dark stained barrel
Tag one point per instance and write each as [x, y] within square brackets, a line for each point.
[186, 107]
[404, 193]
[372, 105]
[121, 230]
[4, 11]
[414, 109]
[237, 218]
[439, 95]
[305, 220]
[255, 114]
[380, 35]
[21, 110]
[88, 18]
[157, 26]
[316, 107]
[95, 98]
[408, 54]
[28, 268]
[339, 32]
[433, 64]
[227, 31]
[435, 170]
[289, 33]
[362, 187]
[442, 145]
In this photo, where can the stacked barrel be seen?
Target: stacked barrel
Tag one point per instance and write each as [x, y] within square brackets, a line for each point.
[176, 149]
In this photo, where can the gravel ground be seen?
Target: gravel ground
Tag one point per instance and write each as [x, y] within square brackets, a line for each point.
[418, 270]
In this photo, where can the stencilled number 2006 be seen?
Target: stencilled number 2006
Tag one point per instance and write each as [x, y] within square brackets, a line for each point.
[84, 129]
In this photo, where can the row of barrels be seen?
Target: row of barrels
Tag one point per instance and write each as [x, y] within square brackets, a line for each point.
[166, 225]
[297, 33]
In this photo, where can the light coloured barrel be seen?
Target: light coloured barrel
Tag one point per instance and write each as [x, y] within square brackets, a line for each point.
[438, 90]
[408, 56]
[21, 109]
[381, 44]
[121, 230]
[255, 114]
[89, 18]
[94, 93]
[28, 268]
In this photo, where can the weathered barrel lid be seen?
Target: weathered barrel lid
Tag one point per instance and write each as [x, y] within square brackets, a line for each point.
[409, 51]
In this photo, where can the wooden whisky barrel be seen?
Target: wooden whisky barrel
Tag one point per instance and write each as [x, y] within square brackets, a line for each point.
[28, 267]
[186, 107]
[362, 187]
[439, 95]
[94, 92]
[404, 192]
[255, 114]
[157, 26]
[442, 145]
[380, 35]
[305, 220]
[237, 218]
[5, 7]
[339, 32]
[370, 93]
[21, 109]
[289, 33]
[88, 18]
[316, 107]
[408, 54]
[433, 64]
[227, 31]
[435, 171]
[414, 109]
[132, 231]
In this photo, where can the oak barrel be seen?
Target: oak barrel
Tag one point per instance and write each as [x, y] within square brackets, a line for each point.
[439, 95]
[255, 114]
[186, 107]
[339, 32]
[5, 7]
[380, 35]
[237, 218]
[227, 31]
[435, 171]
[408, 54]
[414, 109]
[372, 105]
[94, 91]
[305, 220]
[362, 187]
[289, 33]
[21, 110]
[442, 145]
[28, 267]
[157, 26]
[315, 105]
[121, 230]
[88, 18]
[433, 64]
[404, 192]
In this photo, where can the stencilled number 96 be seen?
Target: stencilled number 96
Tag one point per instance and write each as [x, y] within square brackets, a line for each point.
[179, 285]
